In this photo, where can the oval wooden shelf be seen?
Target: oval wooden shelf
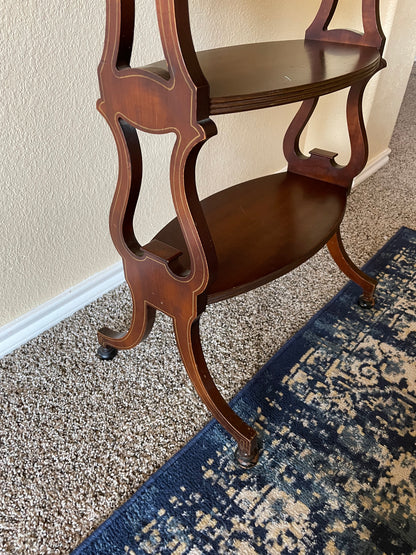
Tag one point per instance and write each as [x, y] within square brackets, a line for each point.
[262, 229]
[253, 76]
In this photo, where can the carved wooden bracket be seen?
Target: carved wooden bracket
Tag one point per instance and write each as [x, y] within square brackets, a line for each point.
[373, 34]
[321, 165]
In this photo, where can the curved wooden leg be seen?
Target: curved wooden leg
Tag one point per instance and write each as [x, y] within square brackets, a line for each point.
[141, 325]
[366, 282]
[189, 344]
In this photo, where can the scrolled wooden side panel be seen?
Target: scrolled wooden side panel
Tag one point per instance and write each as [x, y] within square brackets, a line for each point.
[321, 164]
[178, 103]
[373, 33]
[139, 98]
[143, 99]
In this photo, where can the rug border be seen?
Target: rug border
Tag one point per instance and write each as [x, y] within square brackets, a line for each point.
[149, 482]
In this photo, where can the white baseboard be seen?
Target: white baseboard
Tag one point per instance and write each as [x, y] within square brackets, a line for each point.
[28, 326]
[373, 165]
[43, 317]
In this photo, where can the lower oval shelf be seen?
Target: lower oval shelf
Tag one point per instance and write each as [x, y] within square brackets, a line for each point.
[262, 229]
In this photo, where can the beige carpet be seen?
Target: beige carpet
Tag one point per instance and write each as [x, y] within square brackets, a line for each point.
[78, 436]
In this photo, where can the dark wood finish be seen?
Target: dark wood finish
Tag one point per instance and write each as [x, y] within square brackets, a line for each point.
[252, 232]
[262, 229]
[273, 73]
[321, 164]
[373, 33]
[367, 283]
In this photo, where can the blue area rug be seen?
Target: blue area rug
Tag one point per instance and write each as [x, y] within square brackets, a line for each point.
[336, 410]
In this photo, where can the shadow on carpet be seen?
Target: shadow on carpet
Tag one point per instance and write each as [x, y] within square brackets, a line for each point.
[336, 411]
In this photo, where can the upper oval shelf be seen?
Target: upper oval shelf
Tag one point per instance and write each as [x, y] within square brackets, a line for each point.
[258, 75]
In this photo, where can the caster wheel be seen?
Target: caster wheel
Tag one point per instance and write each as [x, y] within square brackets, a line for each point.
[106, 353]
[366, 303]
[246, 460]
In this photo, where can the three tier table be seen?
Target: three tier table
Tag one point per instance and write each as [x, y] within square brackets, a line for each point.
[249, 233]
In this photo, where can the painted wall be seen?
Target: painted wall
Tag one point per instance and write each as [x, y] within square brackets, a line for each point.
[58, 158]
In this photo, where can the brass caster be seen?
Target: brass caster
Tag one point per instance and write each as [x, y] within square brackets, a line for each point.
[106, 353]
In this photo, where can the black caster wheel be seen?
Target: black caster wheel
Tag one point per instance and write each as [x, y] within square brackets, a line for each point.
[247, 460]
[106, 353]
[366, 303]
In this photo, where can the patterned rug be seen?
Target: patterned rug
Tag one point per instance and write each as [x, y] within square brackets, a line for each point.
[336, 411]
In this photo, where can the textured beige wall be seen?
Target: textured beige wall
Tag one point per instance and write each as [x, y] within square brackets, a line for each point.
[58, 158]
[391, 83]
